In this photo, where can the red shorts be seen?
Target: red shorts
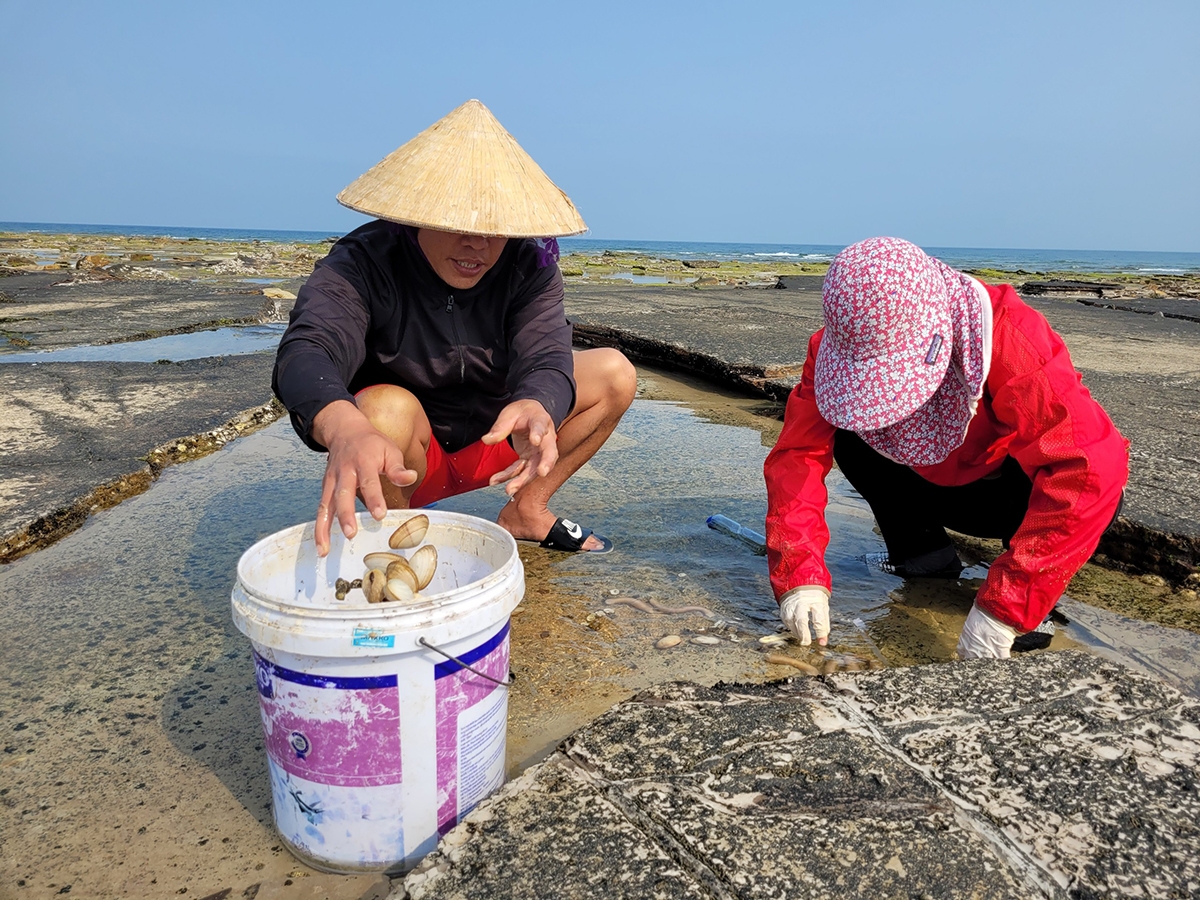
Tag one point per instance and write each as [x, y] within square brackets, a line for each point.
[447, 474]
[468, 469]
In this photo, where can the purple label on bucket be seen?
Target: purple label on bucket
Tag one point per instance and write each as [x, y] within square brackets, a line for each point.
[331, 730]
[472, 716]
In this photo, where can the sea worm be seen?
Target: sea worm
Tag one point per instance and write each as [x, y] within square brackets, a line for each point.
[654, 606]
[677, 610]
[631, 601]
[780, 660]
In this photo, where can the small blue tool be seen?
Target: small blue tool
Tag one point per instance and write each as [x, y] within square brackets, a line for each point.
[727, 526]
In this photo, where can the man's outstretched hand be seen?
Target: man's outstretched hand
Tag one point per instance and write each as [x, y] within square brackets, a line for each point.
[358, 454]
[533, 437]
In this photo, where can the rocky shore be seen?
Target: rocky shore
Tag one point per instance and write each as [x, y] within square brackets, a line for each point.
[131, 718]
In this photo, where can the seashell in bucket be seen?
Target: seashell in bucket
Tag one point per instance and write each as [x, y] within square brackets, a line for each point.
[424, 565]
[373, 583]
[410, 533]
[398, 589]
[401, 569]
[381, 560]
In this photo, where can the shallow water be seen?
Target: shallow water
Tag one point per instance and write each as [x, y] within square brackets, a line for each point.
[640, 279]
[128, 698]
[231, 341]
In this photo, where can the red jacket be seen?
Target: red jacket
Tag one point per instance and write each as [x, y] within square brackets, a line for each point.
[1034, 409]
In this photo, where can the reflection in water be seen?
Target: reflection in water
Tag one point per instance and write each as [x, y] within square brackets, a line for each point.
[233, 341]
[642, 279]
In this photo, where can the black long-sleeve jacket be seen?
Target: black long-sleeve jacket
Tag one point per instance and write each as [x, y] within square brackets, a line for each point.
[374, 312]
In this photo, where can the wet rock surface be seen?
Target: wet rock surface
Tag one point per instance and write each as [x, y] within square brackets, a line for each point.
[80, 437]
[1056, 775]
[43, 311]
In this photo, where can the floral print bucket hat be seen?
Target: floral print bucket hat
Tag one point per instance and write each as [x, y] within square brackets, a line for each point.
[904, 355]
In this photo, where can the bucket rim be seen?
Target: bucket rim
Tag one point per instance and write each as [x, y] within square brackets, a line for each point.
[432, 603]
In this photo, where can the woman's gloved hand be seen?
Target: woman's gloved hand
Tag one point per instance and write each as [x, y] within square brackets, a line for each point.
[798, 604]
[985, 637]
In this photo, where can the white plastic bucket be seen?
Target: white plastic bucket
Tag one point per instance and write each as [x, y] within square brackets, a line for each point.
[377, 744]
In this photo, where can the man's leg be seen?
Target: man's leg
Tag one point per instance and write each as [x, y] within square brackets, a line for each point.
[398, 414]
[605, 384]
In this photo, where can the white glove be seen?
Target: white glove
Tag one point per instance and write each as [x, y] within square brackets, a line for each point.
[984, 637]
[795, 607]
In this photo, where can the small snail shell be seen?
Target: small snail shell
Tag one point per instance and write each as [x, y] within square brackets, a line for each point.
[373, 584]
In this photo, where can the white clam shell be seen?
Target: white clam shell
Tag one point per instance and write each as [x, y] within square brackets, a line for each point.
[668, 641]
[401, 569]
[410, 533]
[773, 640]
[380, 560]
[705, 639]
[398, 589]
[424, 565]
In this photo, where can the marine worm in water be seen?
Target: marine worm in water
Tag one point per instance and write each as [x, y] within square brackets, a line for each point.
[654, 606]
[631, 601]
[677, 610]
[780, 660]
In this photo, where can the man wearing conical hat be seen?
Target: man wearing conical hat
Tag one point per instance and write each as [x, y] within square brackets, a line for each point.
[431, 347]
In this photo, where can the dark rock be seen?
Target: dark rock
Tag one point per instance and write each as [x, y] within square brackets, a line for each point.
[1050, 775]
[1050, 288]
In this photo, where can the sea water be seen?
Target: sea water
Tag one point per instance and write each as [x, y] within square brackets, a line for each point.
[1005, 259]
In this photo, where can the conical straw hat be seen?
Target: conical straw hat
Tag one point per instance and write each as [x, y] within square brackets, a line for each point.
[465, 174]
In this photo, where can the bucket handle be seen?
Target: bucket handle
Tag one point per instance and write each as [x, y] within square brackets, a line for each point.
[424, 643]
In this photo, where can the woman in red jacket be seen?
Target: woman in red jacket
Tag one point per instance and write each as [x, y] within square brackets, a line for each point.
[946, 403]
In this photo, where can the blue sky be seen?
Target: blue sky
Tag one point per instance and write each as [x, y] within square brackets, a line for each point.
[1044, 125]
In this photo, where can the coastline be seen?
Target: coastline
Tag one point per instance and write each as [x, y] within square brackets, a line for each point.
[155, 256]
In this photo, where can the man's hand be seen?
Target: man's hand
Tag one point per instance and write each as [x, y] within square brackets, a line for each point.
[534, 439]
[798, 604]
[985, 637]
[358, 453]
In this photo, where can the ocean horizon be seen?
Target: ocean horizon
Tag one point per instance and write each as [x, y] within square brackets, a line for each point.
[1029, 260]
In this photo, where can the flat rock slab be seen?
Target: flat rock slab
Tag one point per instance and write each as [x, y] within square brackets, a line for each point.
[77, 436]
[45, 311]
[1056, 775]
